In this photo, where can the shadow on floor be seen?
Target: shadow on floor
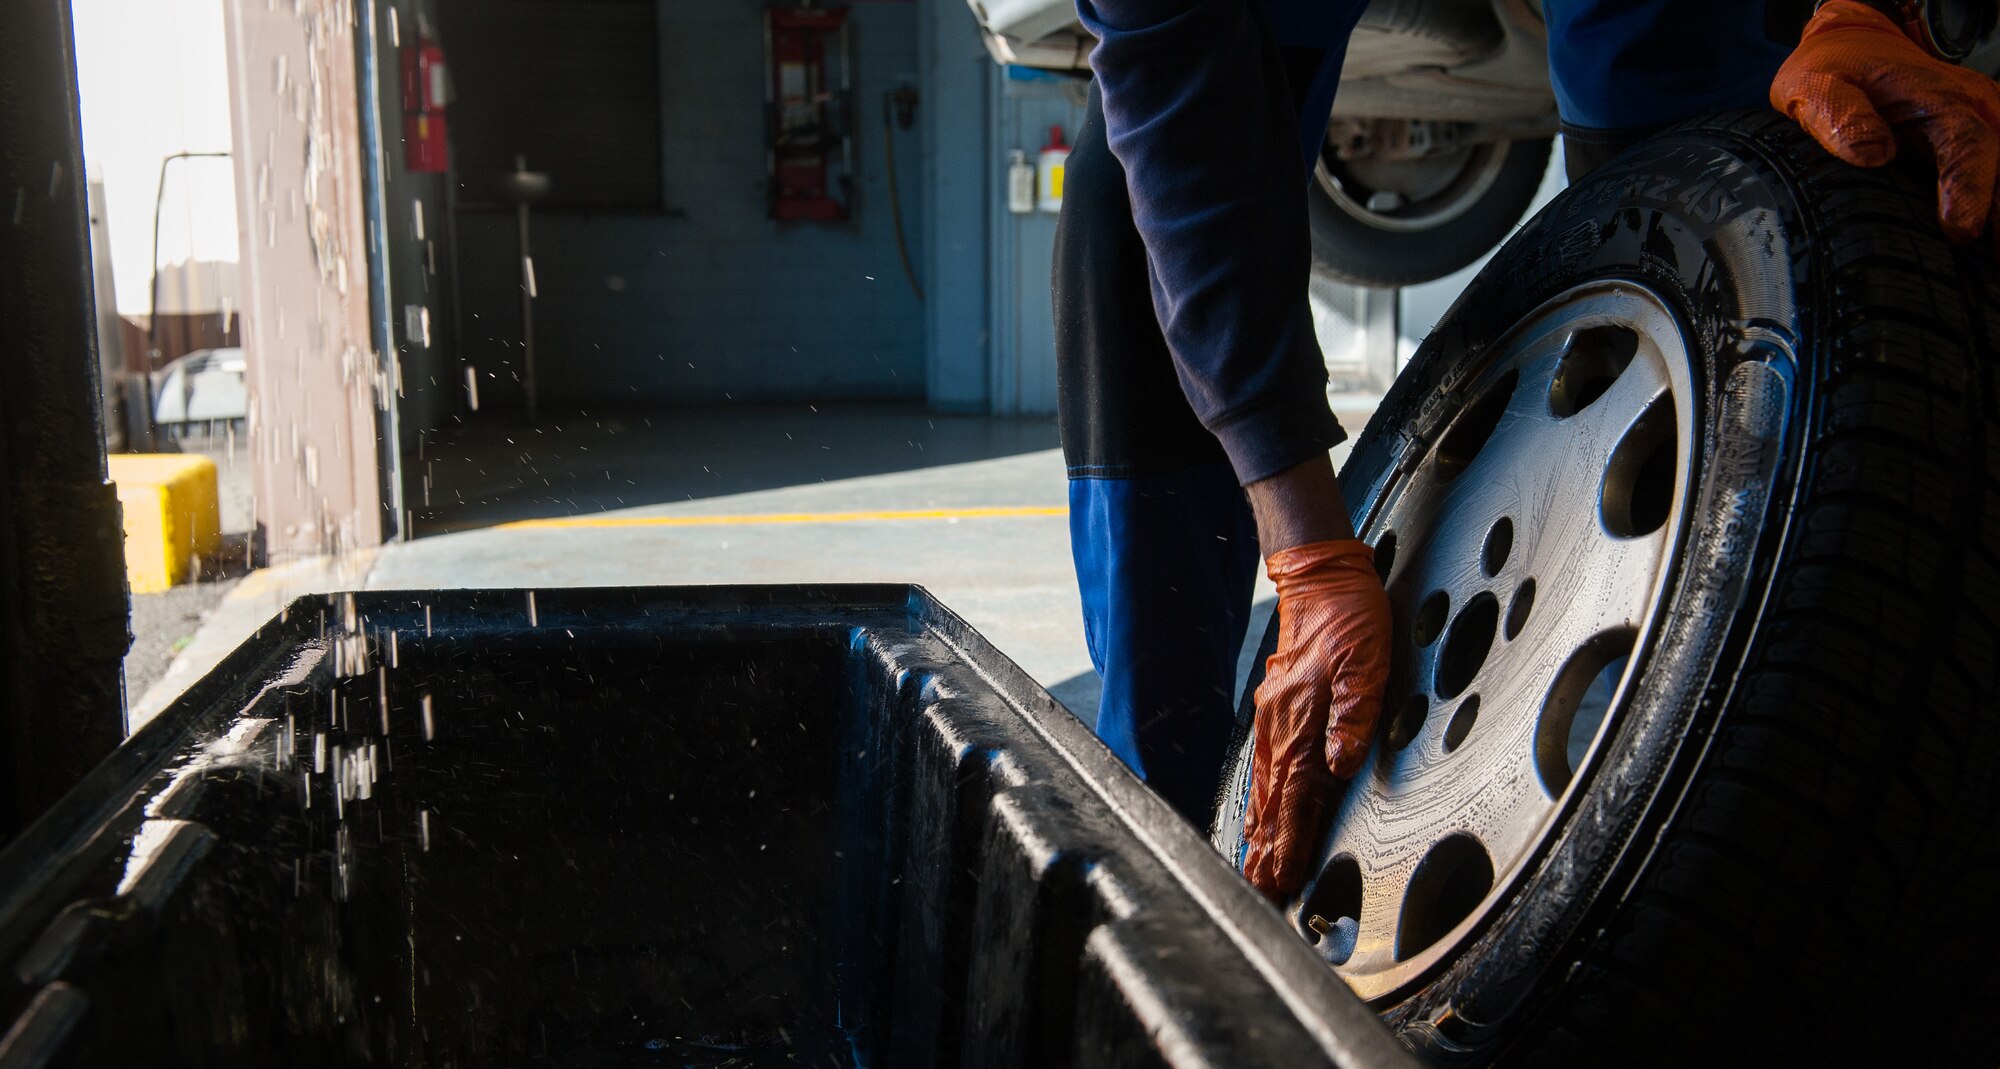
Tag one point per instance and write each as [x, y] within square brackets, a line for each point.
[573, 463]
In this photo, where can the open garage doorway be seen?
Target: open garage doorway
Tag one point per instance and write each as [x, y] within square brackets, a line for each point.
[685, 323]
[637, 292]
[632, 292]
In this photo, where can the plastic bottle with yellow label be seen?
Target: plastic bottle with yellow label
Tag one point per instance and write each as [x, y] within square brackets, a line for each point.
[1050, 165]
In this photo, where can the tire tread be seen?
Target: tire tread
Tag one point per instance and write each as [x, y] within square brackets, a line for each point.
[1844, 815]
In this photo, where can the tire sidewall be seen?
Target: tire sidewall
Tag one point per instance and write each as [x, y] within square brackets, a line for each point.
[1711, 222]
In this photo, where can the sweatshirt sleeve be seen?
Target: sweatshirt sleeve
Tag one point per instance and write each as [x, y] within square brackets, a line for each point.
[1200, 111]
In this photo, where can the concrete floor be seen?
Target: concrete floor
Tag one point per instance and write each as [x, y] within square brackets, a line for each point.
[580, 463]
[989, 536]
[972, 508]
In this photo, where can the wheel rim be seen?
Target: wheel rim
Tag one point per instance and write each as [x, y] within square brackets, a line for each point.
[1431, 192]
[1520, 601]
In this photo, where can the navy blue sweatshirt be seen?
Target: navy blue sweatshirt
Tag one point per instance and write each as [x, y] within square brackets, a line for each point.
[1215, 139]
[1198, 108]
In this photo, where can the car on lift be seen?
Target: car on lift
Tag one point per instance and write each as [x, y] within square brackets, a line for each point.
[1689, 515]
[1438, 141]
[1439, 136]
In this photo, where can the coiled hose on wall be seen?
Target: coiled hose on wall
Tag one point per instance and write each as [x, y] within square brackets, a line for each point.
[899, 103]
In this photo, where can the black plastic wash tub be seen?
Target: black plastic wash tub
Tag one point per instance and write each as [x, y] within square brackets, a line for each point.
[673, 827]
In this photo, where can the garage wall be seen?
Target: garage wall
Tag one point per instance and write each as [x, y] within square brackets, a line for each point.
[1024, 341]
[416, 208]
[962, 300]
[707, 299]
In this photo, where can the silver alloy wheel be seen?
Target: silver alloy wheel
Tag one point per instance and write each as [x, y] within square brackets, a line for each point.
[1526, 555]
[1428, 192]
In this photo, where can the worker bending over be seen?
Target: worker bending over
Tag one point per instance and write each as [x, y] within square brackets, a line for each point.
[1195, 422]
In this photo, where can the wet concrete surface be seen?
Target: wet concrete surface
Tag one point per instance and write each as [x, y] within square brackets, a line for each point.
[164, 624]
[972, 508]
[579, 462]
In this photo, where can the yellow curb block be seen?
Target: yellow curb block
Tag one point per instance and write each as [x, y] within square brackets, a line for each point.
[172, 515]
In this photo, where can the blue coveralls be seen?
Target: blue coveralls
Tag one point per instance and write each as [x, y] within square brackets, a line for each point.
[1185, 346]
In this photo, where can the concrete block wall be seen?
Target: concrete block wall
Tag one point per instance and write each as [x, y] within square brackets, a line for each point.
[964, 298]
[1024, 346]
[709, 300]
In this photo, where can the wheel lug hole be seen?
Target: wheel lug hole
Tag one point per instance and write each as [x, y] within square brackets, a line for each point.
[1448, 885]
[1431, 616]
[1499, 544]
[1591, 361]
[1329, 918]
[1638, 487]
[1461, 723]
[1466, 642]
[1576, 706]
[1518, 609]
[1408, 722]
[1385, 555]
[1468, 434]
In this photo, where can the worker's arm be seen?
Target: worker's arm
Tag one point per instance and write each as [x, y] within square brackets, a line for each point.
[1200, 110]
[1299, 505]
[1862, 84]
[1322, 689]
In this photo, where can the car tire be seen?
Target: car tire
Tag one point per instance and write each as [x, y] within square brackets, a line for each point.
[1432, 236]
[1781, 844]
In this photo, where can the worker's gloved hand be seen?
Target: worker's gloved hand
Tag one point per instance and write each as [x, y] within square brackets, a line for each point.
[1860, 86]
[1317, 706]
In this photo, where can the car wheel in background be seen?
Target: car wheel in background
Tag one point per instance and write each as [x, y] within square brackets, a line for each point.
[1399, 222]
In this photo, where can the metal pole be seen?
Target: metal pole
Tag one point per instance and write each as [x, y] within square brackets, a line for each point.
[63, 605]
[527, 299]
[144, 434]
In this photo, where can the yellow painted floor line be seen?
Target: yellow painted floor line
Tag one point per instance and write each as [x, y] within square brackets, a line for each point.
[996, 513]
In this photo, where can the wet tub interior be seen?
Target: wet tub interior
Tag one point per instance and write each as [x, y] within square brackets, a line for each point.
[619, 830]
[597, 854]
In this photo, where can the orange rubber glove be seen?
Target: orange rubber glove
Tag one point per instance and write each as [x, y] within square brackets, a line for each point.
[1317, 706]
[1859, 85]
